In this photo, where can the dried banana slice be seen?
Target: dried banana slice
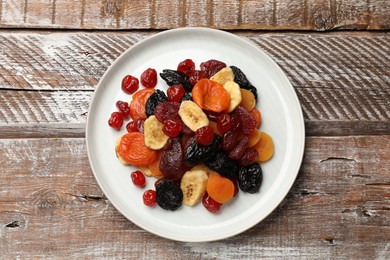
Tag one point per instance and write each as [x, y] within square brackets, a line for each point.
[192, 115]
[154, 136]
[193, 185]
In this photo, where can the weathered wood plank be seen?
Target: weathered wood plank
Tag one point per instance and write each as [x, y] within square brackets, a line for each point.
[47, 80]
[317, 15]
[51, 206]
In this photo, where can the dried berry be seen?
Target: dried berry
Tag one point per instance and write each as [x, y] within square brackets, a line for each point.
[130, 84]
[138, 179]
[174, 77]
[116, 120]
[175, 93]
[171, 163]
[225, 166]
[229, 140]
[211, 67]
[149, 198]
[172, 127]
[186, 66]
[210, 204]
[195, 76]
[247, 121]
[239, 149]
[157, 97]
[124, 108]
[169, 195]
[197, 153]
[250, 178]
[224, 123]
[149, 78]
[167, 110]
[250, 156]
[204, 135]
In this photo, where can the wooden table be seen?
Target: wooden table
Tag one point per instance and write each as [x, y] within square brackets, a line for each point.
[336, 54]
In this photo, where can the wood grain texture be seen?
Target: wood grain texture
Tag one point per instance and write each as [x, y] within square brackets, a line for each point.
[51, 206]
[319, 15]
[47, 80]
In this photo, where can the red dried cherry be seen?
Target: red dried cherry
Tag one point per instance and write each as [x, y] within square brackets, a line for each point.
[186, 66]
[130, 84]
[210, 204]
[195, 76]
[116, 120]
[149, 198]
[204, 135]
[224, 123]
[172, 127]
[138, 179]
[123, 108]
[132, 126]
[149, 78]
[175, 93]
[249, 157]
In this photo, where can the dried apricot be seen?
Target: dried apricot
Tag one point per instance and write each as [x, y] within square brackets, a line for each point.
[257, 115]
[219, 188]
[210, 95]
[131, 149]
[154, 167]
[137, 104]
[264, 147]
[247, 99]
[254, 137]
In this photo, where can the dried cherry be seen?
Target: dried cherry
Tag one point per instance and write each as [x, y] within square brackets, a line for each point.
[172, 127]
[175, 93]
[149, 198]
[211, 67]
[186, 67]
[130, 84]
[210, 204]
[116, 120]
[167, 110]
[149, 78]
[204, 135]
[250, 156]
[224, 123]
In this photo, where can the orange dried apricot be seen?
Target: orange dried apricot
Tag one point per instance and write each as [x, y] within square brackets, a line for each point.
[264, 147]
[131, 149]
[248, 99]
[254, 137]
[257, 115]
[219, 188]
[210, 95]
[138, 102]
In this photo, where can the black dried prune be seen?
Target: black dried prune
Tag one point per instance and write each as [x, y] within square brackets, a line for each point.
[225, 166]
[156, 98]
[174, 77]
[169, 195]
[197, 153]
[250, 178]
[171, 163]
[186, 96]
[241, 79]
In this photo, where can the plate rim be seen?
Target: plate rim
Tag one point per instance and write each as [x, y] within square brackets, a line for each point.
[300, 152]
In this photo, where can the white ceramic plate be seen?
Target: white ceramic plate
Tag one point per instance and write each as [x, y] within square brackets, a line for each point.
[281, 118]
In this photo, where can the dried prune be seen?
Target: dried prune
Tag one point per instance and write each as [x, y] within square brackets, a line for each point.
[174, 77]
[211, 67]
[169, 195]
[171, 164]
[186, 96]
[167, 110]
[241, 79]
[250, 178]
[157, 97]
[197, 153]
[225, 166]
